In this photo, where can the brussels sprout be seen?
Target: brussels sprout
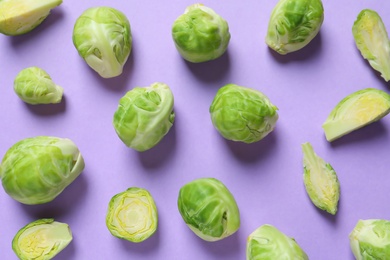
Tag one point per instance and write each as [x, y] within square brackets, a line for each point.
[372, 40]
[42, 239]
[200, 34]
[132, 215]
[102, 37]
[144, 116]
[370, 239]
[242, 114]
[268, 243]
[321, 182]
[34, 86]
[36, 170]
[355, 111]
[21, 16]
[293, 24]
[209, 209]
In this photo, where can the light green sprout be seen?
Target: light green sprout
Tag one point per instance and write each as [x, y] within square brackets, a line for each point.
[209, 209]
[242, 114]
[102, 37]
[21, 16]
[42, 239]
[200, 34]
[372, 40]
[293, 24]
[144, 116]
[36, 170]
[268, 243]
[132, 215]
[355, 111]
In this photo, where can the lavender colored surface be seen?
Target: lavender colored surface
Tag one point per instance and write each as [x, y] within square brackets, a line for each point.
[265, 178]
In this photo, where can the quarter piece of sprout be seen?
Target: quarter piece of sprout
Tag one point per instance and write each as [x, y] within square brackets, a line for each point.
[132, 215]
[144, 116]
[355, 111]
[242, 114]
[200, 34]
[209, 209]
[42, 239]
[22, 16]
[268, 243]
[370, 239]
[293, 24]
[36, 170]
[102, 37]
[321, 182]
[34, 86]
[372, 41]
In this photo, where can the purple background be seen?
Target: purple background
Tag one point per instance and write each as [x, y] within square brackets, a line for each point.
[265, 177]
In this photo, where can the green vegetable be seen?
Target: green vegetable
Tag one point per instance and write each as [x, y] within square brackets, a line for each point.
[268, 243]
[355, 111]
[144, 116]
[42, 239]
[372, 40]
[209, 209]
[102, 37]
[36, 170]
[242, 114]
[21, 16]
[200, 34]
[320, 180]
[132, 215]
[293, 24]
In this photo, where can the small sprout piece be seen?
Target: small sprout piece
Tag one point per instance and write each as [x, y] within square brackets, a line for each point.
[293, 24]
[372, 40]
[132, 215]
[144, 116]
[41, 239]
[355, 111]
[268, 243]
[370, 239]
[320, 180]
[242, 114]
[21, 16]
[209, 209]
[200, 34]
[34, 86]
[102, 37]
[36, 170]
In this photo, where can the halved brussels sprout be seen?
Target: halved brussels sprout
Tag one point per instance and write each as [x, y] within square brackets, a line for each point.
[209, 209]
[36, 170]
[132, 215]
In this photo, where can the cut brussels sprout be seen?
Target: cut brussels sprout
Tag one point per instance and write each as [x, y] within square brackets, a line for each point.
[102, 37]
[200, 34]
[209, 209]
[21, 16]
[132, 215]
[268, 243]
[355, 111]
[372, 40]
[42, 239]
[34, 86]
[293, 24]
[144, 116]
[36, 170]
[242, 114]
[320, 180]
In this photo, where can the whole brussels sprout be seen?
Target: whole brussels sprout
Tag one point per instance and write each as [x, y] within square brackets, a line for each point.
[102, 36]
[242, 114]
[200, 34]
[209, 209]
[36, 170]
